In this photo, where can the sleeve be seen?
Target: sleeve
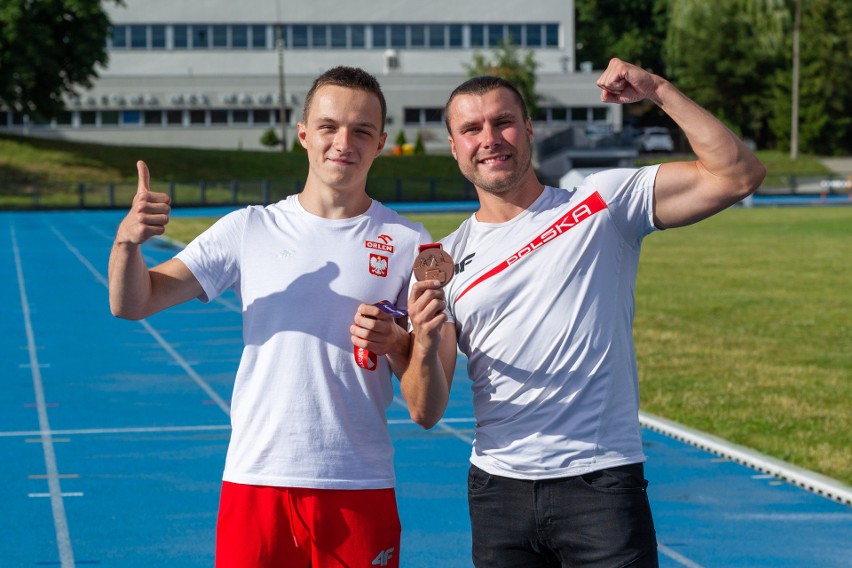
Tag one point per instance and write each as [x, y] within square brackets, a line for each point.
[629, 195]
[214, 256]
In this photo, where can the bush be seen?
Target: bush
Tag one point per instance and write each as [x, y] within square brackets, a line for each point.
[269, 138]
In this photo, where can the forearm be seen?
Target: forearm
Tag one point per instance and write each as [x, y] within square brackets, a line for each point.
[129, 281]
[427, 379]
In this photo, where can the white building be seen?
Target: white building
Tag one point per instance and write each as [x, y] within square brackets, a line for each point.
[206, 74]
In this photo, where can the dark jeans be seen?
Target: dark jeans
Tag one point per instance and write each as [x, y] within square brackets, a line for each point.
[601, 519]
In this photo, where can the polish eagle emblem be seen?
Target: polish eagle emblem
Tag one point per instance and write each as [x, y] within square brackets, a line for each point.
[378, 265]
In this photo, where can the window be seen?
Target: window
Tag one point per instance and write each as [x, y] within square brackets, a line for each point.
[380, 38]
[300, 36]
[220, 36]
[158, 37]
[436, 36]
[477, 35]
[418, 35]
[174, 117]
[318, 35]
[153, 118]
[197, 117]
[127, 117]
[240, 116]
[239, 36]
[200, 37]
[338, 36]
[559, 114]
[495, 35]
[109, 118]
[456, 35]
[579, 114]
[180, 36]
[397, 35]
[534, 35]
[357, 35]
[4, 119]
[65, 118]
[552, 37]
[599, 113]
[423, 116]
[119, 37]
[88, 118]
[218, 116]
[258, 36]
[261, 116]
[515, 34]
[138, 37]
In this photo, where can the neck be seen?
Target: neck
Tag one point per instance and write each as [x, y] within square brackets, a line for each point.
[333, 203]
[502, 207]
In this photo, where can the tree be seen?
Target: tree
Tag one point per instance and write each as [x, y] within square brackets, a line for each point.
[724, 55]
[270, 138]
[48, 49]
[632, 30]
[510, 65]
[825, 99]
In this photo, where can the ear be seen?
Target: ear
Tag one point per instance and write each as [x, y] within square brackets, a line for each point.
[382, 139]
[529, 129]
[301, 133]
[452, 147]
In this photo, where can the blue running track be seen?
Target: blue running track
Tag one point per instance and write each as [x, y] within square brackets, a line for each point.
[113, 436]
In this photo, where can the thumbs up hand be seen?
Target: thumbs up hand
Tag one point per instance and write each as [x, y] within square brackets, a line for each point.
[148, 214]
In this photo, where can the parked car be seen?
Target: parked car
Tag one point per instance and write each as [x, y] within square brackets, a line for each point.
[655, 139]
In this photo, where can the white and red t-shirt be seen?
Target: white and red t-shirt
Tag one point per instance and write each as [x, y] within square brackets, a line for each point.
[303, 414]
[543, 306]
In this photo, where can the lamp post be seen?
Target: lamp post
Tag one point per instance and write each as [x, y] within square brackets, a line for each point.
[279, 42]
[794, 119]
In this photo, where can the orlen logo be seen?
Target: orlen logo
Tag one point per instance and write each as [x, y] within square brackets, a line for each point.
[365, 359]
[382, 246]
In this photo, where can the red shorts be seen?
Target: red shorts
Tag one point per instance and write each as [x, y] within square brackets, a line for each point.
[263, 526]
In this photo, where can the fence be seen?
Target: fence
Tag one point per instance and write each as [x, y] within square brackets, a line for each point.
[119, 195]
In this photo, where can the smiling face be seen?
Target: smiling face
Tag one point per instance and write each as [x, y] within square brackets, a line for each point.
[342, 133]
[491, 140]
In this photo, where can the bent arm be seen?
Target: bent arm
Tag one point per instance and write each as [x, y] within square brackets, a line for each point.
[725, 172]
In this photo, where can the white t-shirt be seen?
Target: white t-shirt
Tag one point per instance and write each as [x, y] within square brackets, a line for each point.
[543, 306]
[303, 414]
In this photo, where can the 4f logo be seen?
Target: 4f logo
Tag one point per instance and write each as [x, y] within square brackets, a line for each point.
[464, 262]
[379, 265]
[383, 558]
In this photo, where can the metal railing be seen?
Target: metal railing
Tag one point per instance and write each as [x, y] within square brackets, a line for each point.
[204, 193]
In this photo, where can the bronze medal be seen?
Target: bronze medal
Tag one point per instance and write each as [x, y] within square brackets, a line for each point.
[433, 263]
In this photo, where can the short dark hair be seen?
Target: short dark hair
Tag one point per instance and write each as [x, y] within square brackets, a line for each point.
[481, 85]
[350, 78]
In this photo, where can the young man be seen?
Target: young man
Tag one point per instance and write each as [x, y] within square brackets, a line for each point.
[542, 305]
[309, 476]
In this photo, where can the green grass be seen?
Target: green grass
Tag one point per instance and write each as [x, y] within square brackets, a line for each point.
[34, 160]
[743, 328]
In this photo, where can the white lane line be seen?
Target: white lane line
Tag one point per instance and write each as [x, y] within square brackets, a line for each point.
[72, 494]
[677, 557]
[442, 425]
[129, 430]
[163, 343]
[60, 521]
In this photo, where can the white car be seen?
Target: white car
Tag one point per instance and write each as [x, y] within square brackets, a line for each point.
[655, 139]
